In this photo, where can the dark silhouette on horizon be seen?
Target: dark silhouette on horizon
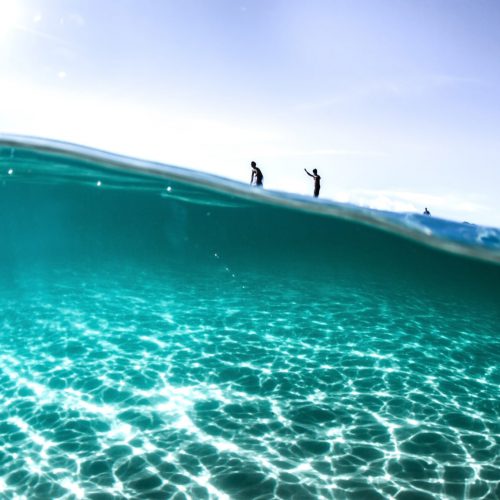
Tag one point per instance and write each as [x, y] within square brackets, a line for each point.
[317, 178]
[426, 212]
[257, 175]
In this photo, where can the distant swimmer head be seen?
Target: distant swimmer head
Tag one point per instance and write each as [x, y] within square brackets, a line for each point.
[253, 164]
[315, 171]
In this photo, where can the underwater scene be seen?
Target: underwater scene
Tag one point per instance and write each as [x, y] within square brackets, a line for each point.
[165, 333]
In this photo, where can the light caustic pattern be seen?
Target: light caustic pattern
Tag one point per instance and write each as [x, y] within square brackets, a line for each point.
[146, 387]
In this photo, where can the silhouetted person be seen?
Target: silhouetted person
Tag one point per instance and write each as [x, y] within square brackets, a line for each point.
[426, 212]
[316, 178]
[257, 175]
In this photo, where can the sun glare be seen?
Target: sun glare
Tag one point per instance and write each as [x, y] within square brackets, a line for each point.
[9, 16]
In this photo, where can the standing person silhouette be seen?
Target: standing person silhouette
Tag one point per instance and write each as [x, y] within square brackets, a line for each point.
[257, 175]
[317, 178]
[426, 212]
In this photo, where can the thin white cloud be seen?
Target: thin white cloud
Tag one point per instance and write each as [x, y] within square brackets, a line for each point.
[343, 152]
[76, 18]
[290, 152]
[40, 34]
[396, 87]
[448, 205]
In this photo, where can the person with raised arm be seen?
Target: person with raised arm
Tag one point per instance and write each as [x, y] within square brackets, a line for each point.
[317, 179]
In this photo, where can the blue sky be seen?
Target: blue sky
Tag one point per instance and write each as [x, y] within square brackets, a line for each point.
[395, 102]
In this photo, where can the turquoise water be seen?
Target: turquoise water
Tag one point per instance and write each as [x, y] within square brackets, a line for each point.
[167, 334]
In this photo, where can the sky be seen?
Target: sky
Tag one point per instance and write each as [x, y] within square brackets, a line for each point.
[395, 102]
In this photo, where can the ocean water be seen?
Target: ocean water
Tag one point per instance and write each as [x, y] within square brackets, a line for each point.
[168, 334]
